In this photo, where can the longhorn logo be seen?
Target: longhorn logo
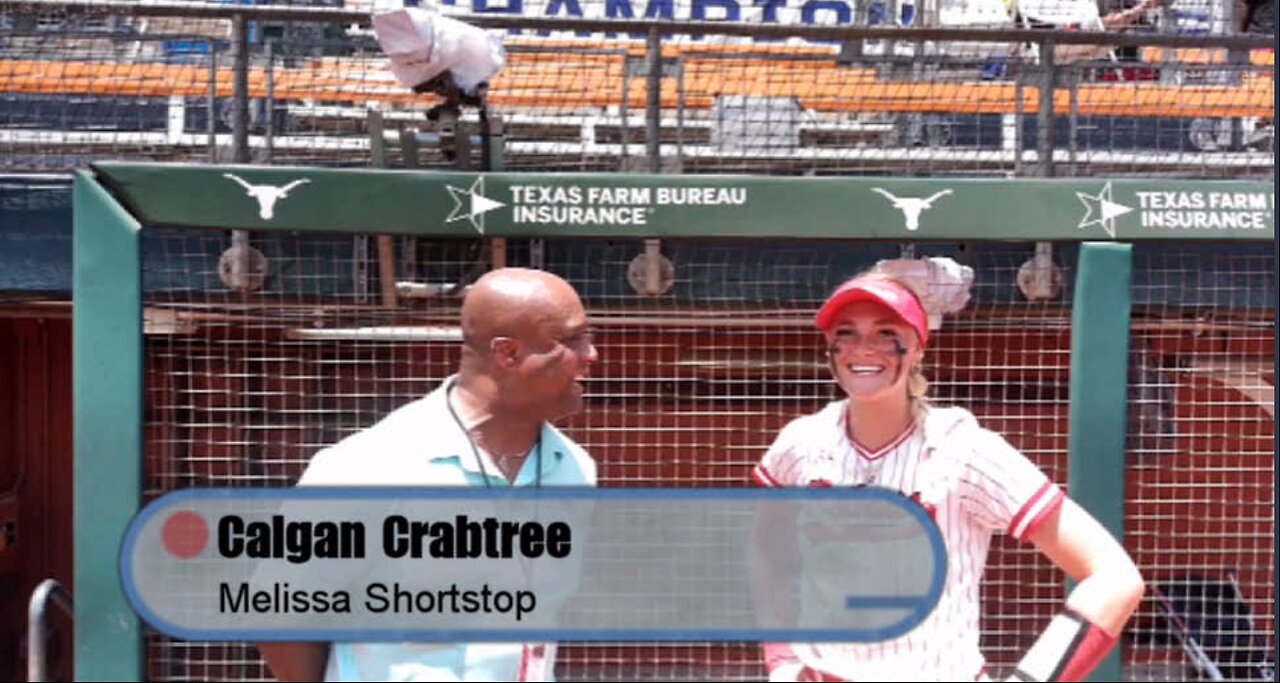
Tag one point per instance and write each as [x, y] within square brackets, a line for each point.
[267, 195]
[912, 207]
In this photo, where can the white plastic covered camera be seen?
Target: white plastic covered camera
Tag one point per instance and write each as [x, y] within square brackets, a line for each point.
[941, 284]
[426, 47]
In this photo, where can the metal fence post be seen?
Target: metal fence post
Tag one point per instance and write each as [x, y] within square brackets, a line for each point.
[653, 108]
[1044, 116]
[240, 129]
[240, 90]
[211, 122]
[269, 128]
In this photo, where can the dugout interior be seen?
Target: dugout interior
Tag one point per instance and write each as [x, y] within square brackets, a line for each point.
[243, 387]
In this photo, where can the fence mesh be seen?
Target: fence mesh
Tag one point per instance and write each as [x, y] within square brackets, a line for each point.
[242, 389]
[694, 384]
[81, 84]
[1201, 497]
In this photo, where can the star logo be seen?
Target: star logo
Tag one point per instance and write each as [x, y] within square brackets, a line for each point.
[1100, 210]
[471, 204]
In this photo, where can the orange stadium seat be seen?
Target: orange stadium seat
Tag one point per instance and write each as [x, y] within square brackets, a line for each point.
[568, 80]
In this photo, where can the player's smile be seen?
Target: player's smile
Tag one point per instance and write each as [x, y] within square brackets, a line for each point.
[865, 370]
[864, 379]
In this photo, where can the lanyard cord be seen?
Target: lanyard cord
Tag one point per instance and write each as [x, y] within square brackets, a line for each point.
[475, 450]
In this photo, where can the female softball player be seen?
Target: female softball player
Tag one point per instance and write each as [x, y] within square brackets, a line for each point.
[968, 478]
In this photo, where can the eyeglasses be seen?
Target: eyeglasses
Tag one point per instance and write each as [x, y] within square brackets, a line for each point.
[881, 341]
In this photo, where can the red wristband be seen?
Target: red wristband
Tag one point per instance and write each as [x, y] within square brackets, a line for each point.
[1094, 646]
[1070, 648]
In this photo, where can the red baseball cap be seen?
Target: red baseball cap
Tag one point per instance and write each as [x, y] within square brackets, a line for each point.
[896, 297]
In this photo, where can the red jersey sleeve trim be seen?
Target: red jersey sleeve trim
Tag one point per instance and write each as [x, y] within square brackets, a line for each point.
[1036, 511]
[763, 477]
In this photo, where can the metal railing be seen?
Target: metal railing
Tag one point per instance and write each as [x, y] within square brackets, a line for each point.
[48, 591]
[1058, 118]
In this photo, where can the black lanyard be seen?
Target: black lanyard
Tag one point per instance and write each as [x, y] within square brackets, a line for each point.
[475, 450]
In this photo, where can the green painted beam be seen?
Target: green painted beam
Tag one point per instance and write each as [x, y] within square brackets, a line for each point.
[621, 205]
[107, 367]
[1099, 392]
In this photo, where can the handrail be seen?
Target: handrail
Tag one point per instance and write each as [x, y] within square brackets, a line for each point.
[766, 30]
[49, 589]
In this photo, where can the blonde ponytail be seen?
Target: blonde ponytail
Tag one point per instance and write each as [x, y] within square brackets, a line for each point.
[918, 392]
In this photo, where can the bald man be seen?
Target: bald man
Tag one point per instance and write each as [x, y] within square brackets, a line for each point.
[526, 349]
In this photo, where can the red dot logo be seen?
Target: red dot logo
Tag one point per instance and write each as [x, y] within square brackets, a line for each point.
[185, 534]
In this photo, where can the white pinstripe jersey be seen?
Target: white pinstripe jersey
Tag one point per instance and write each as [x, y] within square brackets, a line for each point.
[971, 481]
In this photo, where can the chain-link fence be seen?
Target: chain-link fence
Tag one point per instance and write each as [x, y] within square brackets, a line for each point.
[693, 385]
[885, 87]
[821, 87]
